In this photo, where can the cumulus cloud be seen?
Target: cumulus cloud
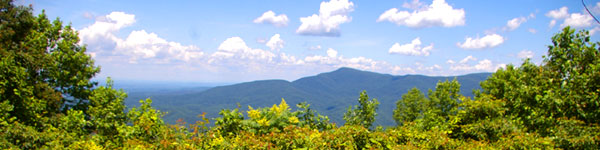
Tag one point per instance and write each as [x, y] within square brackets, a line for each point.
[515, 23]
[488, 41]
[577, 20]
[560, 13]
[439, 13]
[525, 54]
[139, 45]
[143, 45]
[271, 18]
[327, 23]
[467, 59]
[465, 65]
[101, 34]
[331, 52]
[233, 56]
[275, 43]
[412, 49]
[235, 47]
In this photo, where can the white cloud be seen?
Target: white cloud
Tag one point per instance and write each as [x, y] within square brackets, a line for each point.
[331, 52]
[557, 14]
[576, 20]
[483, 65]
[525, 54]
[139, 45]
[515, 23]
[101, 34]
[235, 47]
[467, 59]
[289, 60]
[275, 43]
[560, 13]
[232, 57]
[327, 23]
[439, 13]
[488, 41]
[270, 17]
[143, 45]
[413, 48]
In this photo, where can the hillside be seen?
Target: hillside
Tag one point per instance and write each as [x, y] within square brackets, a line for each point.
[329, 93]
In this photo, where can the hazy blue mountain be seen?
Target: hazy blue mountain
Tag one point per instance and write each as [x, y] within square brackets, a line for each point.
[329, 93]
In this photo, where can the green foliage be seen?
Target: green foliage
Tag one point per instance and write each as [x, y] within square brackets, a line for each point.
[147, 124]
[438, 110]
[230, 122]
[444, 100]
[410, 107]
[565, 85]
[43, 67]
[312, 119]
[364, 113]
[106, 113]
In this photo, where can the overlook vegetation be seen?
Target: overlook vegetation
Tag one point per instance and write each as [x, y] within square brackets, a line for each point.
[47, 101]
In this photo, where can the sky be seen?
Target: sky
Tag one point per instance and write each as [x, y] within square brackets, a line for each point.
[241, 40]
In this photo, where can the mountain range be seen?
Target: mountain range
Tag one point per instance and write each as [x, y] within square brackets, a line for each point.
[329, 93]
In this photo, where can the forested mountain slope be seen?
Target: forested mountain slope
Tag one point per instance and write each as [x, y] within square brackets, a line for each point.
[329, 93]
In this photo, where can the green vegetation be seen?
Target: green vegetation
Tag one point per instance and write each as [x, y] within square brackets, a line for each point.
[364, 113]
[47, 101]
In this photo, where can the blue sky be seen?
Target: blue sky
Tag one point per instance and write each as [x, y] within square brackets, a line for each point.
[236, 41]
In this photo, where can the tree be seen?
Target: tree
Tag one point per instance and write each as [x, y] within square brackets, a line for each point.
[566, 84]
[445, 99]
[364, 113]
[107, 112]
[560, 97]
[410, 107]
[43, 69]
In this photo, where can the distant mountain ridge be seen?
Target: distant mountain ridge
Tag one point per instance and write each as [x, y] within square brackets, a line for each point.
[329, 93]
